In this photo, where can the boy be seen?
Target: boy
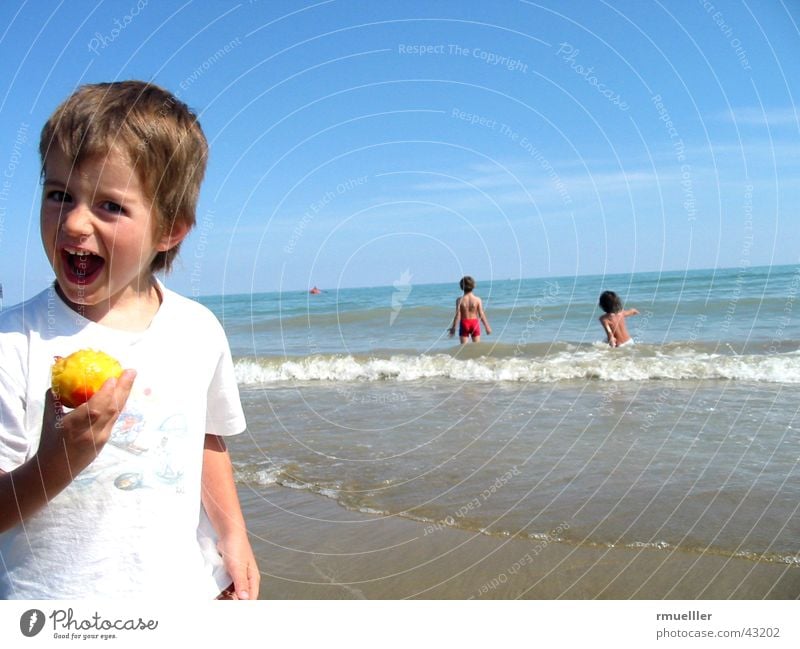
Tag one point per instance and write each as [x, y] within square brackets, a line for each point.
[105, 500]
[614, 319]
[469, 309]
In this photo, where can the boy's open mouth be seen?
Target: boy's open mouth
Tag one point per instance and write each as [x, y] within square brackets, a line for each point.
[81, 266]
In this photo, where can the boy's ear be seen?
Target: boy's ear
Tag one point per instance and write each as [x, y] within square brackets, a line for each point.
[172, 237]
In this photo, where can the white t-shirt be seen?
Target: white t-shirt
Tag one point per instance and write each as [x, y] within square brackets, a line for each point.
[127, 526]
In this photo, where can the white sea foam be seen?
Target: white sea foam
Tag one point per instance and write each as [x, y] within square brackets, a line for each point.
[601, 364]
[262, 477]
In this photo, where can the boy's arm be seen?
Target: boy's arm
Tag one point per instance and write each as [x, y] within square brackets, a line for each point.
[456, 318]
[483, 317]
[69, 443]
[630, 312]
[221, 503]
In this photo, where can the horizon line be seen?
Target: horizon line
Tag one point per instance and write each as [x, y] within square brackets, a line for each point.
[510, 279]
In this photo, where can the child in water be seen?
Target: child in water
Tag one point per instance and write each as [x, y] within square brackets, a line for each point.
[469, 310]
[614, 319]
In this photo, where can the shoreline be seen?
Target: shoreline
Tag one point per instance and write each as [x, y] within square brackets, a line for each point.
[309, 547]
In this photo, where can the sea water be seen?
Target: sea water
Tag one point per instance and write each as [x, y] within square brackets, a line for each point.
[686, 440]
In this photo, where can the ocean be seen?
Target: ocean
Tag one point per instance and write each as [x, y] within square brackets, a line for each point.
[683, 444]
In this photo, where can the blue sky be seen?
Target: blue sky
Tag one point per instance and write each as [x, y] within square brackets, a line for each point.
[353, 142]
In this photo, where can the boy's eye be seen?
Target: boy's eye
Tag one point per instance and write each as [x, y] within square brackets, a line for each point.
[114, 208]
[58, 196]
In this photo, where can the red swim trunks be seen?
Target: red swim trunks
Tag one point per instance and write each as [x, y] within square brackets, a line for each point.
[470, 327]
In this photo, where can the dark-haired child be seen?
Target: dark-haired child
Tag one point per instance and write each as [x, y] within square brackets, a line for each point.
[613, 320]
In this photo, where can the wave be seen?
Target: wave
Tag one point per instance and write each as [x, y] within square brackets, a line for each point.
[287, 476]
[594, 362]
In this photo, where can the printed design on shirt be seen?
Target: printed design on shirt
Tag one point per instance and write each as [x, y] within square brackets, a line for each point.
[126, 432]
[149, 446]
[128, 481]
[159, 451]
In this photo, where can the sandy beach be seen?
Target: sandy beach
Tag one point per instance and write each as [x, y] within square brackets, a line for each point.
[311, 548]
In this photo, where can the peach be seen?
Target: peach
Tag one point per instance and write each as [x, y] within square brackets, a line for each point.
[77, 377]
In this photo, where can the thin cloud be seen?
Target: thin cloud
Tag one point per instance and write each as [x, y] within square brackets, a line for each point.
[535, 180]
[752, 116]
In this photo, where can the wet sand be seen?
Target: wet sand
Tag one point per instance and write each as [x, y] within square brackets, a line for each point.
[309, 547]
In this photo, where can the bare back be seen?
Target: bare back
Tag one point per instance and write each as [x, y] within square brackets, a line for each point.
[614, 324]
[469, 306]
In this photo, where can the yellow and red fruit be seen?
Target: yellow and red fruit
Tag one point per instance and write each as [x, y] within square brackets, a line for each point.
[78, 376]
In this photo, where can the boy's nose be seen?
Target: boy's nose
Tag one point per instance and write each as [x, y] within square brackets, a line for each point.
[76, 222]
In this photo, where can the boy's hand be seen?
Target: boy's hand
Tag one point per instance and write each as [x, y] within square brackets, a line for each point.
[240, 562]
[76, 438]
[452, 331]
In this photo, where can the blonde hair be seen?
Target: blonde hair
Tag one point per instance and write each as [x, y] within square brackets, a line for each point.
[159, 134]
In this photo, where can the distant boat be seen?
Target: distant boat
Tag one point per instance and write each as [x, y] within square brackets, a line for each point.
[315, 291]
